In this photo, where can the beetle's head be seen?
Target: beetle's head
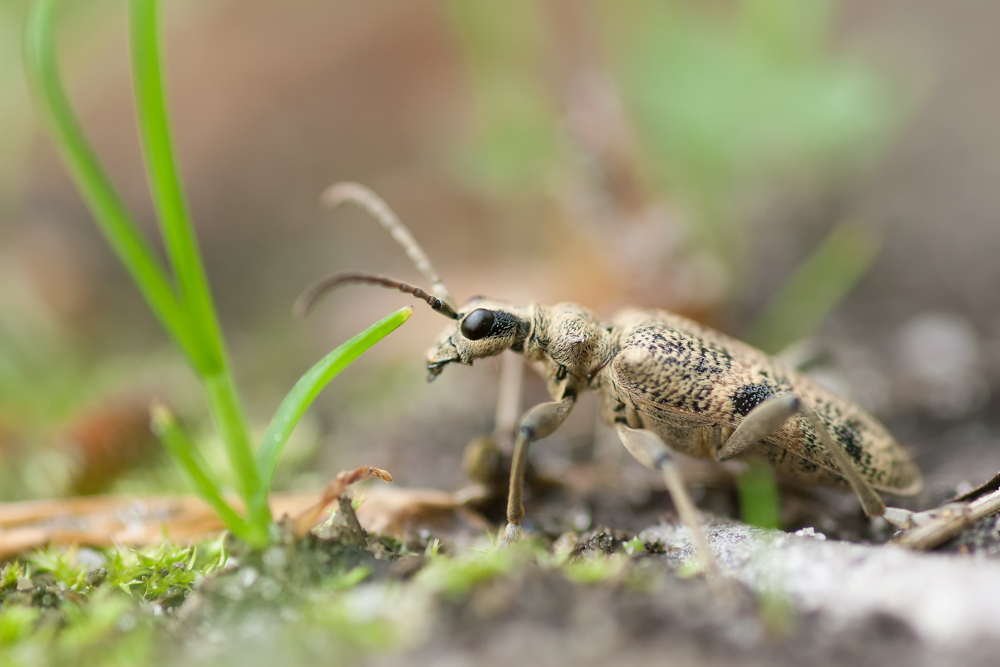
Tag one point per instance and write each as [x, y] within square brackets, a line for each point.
[481, 328]
[484, 328]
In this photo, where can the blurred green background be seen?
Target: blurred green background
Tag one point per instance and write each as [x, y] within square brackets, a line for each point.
[740, 162]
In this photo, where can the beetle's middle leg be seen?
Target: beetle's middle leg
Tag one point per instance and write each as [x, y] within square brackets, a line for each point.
[650, 450]
[768, 417]
[538, 422]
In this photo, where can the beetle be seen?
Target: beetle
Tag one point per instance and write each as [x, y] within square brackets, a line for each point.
[667, 382]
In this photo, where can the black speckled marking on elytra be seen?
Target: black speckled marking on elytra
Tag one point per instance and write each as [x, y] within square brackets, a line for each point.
[805, 465]
[848, 433]
[681, 350]
[749, 396]
[684, 370]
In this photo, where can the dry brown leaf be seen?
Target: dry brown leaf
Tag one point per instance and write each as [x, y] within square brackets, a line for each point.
[403, 513]
[307, 518]
[103, 521]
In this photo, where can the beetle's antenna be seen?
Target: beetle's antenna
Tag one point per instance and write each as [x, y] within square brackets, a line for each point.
[308, 298]
[345, 191]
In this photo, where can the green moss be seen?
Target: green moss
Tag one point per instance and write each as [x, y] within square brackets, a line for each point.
[456, 576]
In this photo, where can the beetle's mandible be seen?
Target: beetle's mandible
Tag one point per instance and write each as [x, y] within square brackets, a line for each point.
[667, 382]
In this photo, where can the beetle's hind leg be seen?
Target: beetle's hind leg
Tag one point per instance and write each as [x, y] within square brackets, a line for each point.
[650, 450]
[926, 530]
[538, 422]
[921, 530]
[768, 417]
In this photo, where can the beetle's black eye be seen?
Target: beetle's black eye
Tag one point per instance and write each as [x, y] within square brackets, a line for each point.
[478, 324]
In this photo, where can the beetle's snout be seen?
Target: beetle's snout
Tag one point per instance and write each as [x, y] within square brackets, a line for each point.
[433, 370]
[440, 356]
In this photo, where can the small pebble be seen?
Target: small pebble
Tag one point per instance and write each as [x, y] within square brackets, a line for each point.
[810, 532]
[95, 576]
[939, 346]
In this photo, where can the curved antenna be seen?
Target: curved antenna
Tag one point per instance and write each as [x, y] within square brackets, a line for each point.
[312, 294]
[345, 191]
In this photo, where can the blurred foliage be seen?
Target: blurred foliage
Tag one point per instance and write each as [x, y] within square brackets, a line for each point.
[18, 122]
[15, 116]
[44, 383]
[41, 375]
[726, 103]
[723, 101]
[515, 144]
[815, 288]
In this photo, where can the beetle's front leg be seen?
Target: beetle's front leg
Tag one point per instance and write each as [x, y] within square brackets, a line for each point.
[539, 422]
[768, 417]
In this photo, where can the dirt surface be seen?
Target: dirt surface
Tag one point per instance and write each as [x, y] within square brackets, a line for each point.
[783, 600]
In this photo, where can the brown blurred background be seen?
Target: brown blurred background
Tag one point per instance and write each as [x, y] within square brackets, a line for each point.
[680, 155]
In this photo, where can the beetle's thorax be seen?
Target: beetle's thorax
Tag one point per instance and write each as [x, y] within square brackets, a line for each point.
[571, 344]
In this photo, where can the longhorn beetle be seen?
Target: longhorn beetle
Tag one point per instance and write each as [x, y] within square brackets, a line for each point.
[667, 383]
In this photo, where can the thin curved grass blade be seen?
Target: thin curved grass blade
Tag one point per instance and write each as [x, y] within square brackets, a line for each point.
[105, 205]
[165, 186]
[311, 384]
[816, 287]
[209, 356]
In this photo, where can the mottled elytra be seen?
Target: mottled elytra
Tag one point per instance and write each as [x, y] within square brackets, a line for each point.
[667, 382]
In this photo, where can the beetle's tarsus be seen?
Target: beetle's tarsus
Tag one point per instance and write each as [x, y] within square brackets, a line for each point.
[937, 526]
[511, 535]
[899, 518]
[871, 503]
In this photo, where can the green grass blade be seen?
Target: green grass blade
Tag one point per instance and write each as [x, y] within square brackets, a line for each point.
[109, 212]
[169, 432]
[816, 287]
[759, 502]
[165, 186]
[182, 248]
[309, 386]
[230, 421]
